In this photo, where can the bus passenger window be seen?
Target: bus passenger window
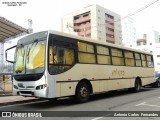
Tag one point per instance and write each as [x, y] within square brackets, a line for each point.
[103, 55]
[129, 61]
[60, 59]
[117, 57]
[138, 60]
[144, 62]
[149, 61]
[86, 53]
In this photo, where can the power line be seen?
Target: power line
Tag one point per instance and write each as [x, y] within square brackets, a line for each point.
[141, 9]
[135, 12]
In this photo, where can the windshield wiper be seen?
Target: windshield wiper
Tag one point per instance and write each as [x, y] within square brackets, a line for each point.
[29, 49]
[23, 55]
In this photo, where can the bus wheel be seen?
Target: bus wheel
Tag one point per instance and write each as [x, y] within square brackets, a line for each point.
[137, 87]
[157, 84]
[82, 92]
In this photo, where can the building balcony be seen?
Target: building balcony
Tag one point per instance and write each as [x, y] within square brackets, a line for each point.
[82, 26]
[109, 19]
[83, 19]
[83, 33]
[109, 25]
[109, 32]
[110, 39]
[87, 25]
[87, 31]
[76, 27]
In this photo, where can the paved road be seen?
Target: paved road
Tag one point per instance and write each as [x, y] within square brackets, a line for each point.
[146, 100]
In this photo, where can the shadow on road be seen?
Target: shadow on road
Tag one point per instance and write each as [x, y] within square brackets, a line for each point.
[70, 101]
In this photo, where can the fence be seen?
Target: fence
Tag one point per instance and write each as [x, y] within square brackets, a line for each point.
[6, 70]
[6, 67]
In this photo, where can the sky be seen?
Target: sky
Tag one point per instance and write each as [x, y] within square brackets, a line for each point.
[47, 14]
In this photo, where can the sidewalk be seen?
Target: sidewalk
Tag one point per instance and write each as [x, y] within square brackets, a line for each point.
[10, 99]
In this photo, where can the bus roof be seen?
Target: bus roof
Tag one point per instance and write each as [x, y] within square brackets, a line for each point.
[96, 41]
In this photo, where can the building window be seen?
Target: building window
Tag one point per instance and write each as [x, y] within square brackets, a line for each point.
[109, 35]
[110, 29]
[111, 23]
[109, 16]
[158, 63]
[158, 55]
[109, 41]
[88, 35]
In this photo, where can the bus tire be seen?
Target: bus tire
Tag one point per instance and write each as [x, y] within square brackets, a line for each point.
[82, 92]
[157, 84]
[137, 85]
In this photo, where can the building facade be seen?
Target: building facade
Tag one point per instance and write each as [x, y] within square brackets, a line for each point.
[128, 32]
[94, 22]
[151, 43]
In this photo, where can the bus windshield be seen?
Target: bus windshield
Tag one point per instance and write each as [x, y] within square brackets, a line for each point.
[30, 58]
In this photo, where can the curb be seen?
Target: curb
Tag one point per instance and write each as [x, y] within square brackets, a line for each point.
[20, 102]
[4, 95]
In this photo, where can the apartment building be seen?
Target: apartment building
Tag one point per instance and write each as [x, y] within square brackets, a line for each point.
[128, 32]
[150, 42]
[94, 22]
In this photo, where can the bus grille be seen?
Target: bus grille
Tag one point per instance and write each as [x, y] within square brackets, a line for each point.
[27, 92]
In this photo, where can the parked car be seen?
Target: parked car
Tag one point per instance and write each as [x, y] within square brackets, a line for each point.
[157, 80]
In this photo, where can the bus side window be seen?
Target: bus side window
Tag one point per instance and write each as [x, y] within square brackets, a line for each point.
[117, 57]
[103, 55]
[138, 60]
[144, 62]
[61, 56]
[86, 53]
[149, 61]
[50, 55]
[129, 59]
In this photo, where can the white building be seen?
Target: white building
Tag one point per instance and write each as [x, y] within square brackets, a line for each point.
[95, 22]
[151, 43]
[128, 32]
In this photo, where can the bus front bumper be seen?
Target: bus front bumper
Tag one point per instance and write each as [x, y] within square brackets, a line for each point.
[31, 93]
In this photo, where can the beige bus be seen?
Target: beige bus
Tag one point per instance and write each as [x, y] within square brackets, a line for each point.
[52, 64]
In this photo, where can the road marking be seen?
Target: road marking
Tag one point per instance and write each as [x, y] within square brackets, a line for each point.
[144, 103]
[141, 104]
[97, 118]
[152, 105]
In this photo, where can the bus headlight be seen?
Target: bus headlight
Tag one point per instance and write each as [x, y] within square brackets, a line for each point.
[15, 87]
[41, 87]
